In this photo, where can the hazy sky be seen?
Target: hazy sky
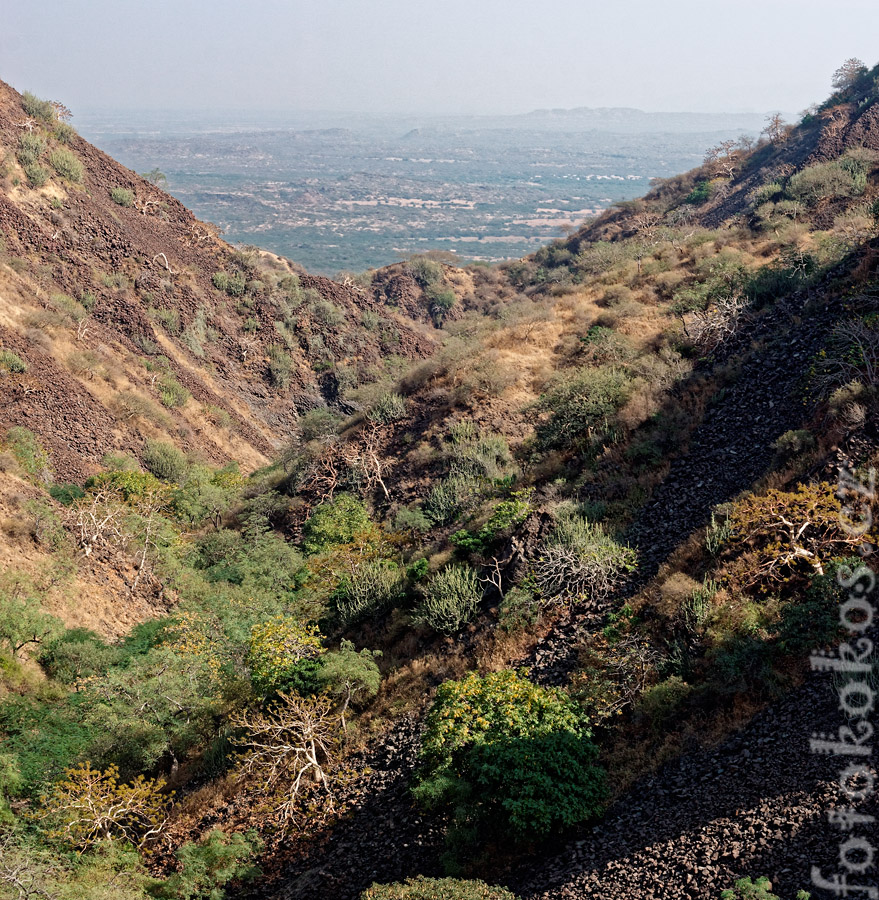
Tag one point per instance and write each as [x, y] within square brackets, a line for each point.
[443, 56]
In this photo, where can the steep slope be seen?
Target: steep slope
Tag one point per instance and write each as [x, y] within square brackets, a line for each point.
[93, 287]
[119, 335]
[584, 462]
[701, 823]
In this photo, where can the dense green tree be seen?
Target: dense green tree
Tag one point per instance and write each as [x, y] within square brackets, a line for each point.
[336, 522]
[510, 755]
[24, 626]
[207, 866]
[352, 677]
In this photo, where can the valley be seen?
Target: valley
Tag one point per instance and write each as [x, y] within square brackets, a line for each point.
[494, 576]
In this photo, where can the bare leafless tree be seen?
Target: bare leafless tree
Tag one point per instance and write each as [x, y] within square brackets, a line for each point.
[150, 510]
[723, 159]
[324, 471]
[853, 355]
[776, 128]
[89, 805]
[62, 113]
[164, 259]
[848, 73]
[18, 872]
[494, 573]
[647, 229]
[364, 457]
[82, 327]
[96, 521]
[143, 206]
[203, 233]
[710, 327]
[289, 746]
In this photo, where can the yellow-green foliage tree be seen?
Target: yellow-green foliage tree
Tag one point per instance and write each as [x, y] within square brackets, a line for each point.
[277, 647]
[501, 751]
[88, 806]
[779, 536]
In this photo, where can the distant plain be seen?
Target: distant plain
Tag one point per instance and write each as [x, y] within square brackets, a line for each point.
[338, 192]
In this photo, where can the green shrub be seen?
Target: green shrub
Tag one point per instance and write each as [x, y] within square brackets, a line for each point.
[761, 889]
[30, 148]
[451, 599]
[661, 702]
[292, 288]
[234, 285]
[169, 319]
[840, 178]
[158, 705]
[70, 308]
[131, 485]
[411, 519]
[202, 495]
[441, 301]
[518, 610]
[417, 571]
[36, 175]
[326, 313]
[388, 408]
[349, 675]
[474, 453]
[66, 165]
[131, 405]
[700, 194]
[581, 407]
[206, 867]
[120, 462]
[165, 461]
[275, 649]
[29, 454]
[122, 196]
[373, 586]
[115, 280]
[334, 523]
[66, 494]
[318, 423]
[36, 108]
[172, 392]
[506, 515]
[448, 498]
[422, 888]
[44, 740]
[793, 443]
[425, 271]
[580, 561]
[767, 192]
[12, 363]
[197, 332]
[63, 132]
[220, 280]
[812, 620]
[77, 654]
[24, 625]
[280, 367]
[509, 756]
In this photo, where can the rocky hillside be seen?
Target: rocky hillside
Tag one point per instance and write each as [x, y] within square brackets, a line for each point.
[121, 303]
[510, 572]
